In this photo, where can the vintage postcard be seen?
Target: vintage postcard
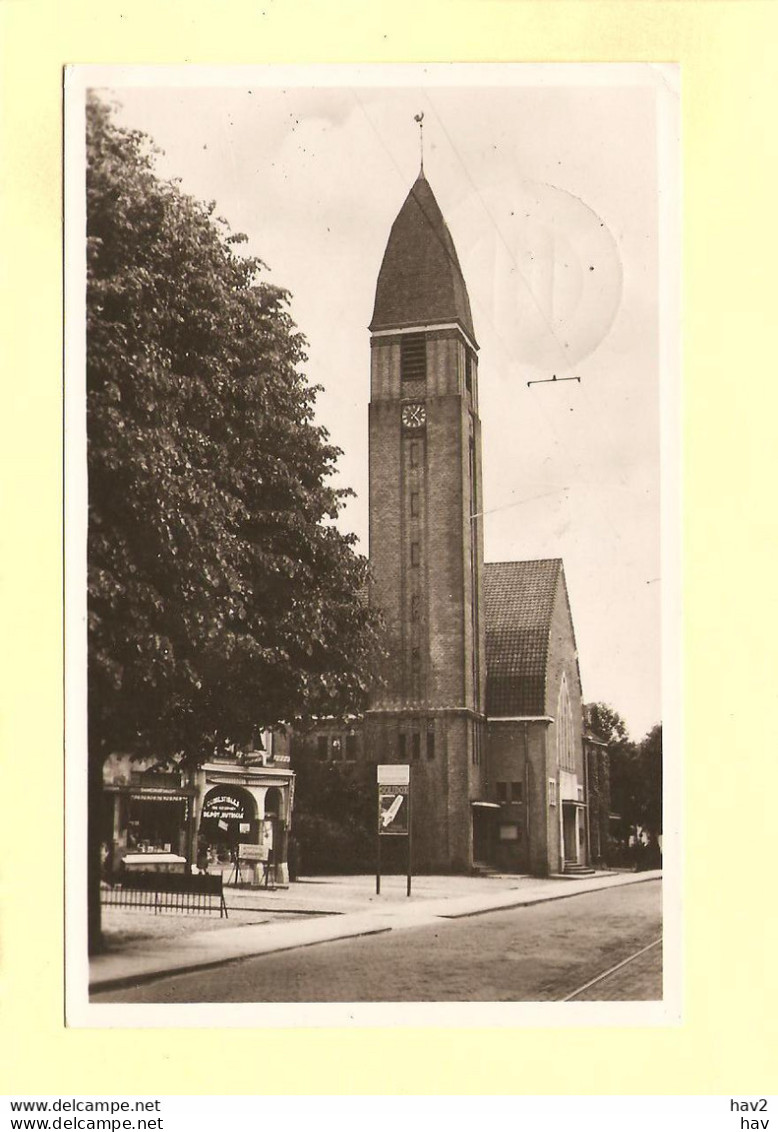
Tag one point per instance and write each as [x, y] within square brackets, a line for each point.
[372, 544]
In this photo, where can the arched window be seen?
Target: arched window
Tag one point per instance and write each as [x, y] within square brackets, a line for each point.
[564, 728]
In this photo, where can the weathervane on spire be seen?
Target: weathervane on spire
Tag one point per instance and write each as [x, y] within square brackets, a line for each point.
[420, 119]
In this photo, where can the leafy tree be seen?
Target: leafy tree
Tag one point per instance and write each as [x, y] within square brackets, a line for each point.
[635, 769]
[648, 760]
[335, 814]
[606, 723]
[221, 597]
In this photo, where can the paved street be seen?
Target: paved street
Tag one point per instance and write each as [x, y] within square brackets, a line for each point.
[537, 953]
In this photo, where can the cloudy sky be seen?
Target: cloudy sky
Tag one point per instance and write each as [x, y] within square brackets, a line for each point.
[547, 177]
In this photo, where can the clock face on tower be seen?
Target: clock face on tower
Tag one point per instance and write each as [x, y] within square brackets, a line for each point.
[414, 416]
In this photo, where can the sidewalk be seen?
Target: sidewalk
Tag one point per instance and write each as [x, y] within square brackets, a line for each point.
[347, 908]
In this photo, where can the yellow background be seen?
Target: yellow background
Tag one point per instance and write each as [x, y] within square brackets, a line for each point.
[727, 1041]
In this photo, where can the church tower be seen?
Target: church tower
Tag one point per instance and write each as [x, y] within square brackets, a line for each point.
[426, 545]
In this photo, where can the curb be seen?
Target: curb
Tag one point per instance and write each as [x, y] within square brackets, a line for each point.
[542, 900]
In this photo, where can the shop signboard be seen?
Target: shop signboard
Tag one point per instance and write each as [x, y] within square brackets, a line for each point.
[252, 852]
[225, 805]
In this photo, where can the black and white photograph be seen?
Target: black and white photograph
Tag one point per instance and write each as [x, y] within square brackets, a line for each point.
[372, 541]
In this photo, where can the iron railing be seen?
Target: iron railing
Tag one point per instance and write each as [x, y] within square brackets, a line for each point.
[166, 892]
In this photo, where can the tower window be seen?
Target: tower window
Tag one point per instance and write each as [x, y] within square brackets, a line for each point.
[415, 453]
[415, 554]
[415, 659]
[414, 503]
[415, 607]
[413, 357]
[468, 371]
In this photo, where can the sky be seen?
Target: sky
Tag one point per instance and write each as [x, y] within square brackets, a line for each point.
[548, 179]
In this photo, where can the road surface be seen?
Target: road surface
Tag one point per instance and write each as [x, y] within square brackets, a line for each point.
[546, 952]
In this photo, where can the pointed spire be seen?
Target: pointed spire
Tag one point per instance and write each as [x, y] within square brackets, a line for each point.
[420, 119]
[420, 281]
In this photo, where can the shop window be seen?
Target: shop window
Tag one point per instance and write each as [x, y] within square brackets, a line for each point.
[416, 746]
[351, 747]
[502, 791]
[413, 357]
[321, 747]
[517, 791]
[401, 746]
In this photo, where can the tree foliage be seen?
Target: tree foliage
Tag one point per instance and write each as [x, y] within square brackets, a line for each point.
[221, 597]
[635, 769]
[335, 815]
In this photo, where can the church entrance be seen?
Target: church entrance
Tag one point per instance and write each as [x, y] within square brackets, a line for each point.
[484, 838]
[570, 834]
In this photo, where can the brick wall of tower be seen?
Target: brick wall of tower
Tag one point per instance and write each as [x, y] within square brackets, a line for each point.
[442, 783]
[447, 688]
[386, 587]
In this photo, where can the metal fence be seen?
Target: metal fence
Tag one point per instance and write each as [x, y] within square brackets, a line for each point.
[167, 892]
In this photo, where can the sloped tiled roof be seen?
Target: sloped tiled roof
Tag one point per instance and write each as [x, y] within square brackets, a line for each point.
[518, 604]
[420, 281]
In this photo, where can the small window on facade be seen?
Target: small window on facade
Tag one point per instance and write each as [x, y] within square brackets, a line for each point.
[552, 791]
[401, 747]
[414, 503]
[416, 745]
[413, 357]
[321, 747]
[336, 747]
[502, 791]
[517, 791]
[468, 371]
[431, 741]
[415, 554]
[351, 746]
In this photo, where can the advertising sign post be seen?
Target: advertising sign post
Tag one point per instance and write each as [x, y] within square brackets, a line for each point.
[394, 812]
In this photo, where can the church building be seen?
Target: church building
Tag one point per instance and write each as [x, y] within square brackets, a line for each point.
[481, 693]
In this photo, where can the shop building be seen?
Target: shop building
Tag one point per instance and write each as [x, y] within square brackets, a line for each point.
[158, 814]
